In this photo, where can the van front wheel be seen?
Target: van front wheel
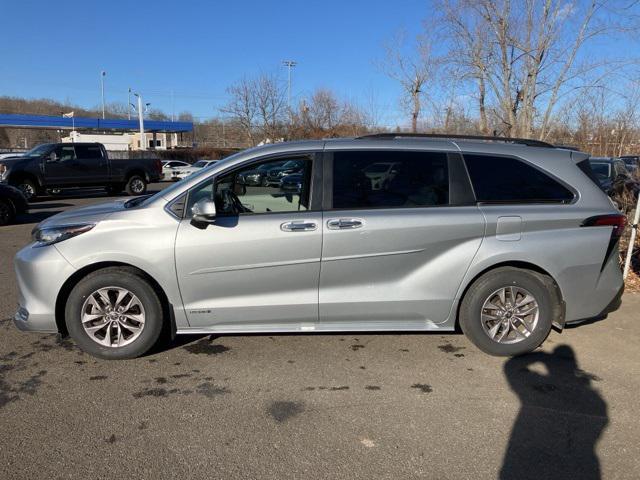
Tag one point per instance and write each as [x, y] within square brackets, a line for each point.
[509, 311]
[114, 313]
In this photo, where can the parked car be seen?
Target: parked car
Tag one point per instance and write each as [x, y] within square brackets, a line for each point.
[258, 177]
[182, 172]
[505, 238]
[613, 176]
[10, 155]
[54, 166]
[292, 183]
[632, 162]
[276, 174]
[168, 167]
[12, 203]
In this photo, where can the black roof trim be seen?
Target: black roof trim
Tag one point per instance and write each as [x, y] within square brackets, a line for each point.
[520, 141]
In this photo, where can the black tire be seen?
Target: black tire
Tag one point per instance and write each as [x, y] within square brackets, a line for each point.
[123, 277]
[136, 185]
[29, 188]
[7, 212]
[540, 286]
[114, 188]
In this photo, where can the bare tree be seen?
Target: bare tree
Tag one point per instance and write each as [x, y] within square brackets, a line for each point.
[412, 68]
[524, 55]
[242, 107]
[271, 106]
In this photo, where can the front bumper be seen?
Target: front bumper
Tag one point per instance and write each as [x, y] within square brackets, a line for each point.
[40, 274]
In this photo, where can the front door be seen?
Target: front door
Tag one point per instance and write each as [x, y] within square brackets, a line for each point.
[61, 166]
[395, 248]
[257, 266]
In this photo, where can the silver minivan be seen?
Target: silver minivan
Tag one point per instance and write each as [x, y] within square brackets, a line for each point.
[504, 238]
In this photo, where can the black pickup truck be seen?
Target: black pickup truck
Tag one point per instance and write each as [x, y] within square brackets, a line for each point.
[55, 166]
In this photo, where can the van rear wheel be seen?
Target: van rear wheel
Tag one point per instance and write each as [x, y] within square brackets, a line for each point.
[114, 313]
[509, 311]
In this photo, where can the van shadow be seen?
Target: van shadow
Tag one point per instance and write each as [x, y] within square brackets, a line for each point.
[560, 421]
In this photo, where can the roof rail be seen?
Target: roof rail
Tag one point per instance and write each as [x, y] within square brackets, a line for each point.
[520, 141]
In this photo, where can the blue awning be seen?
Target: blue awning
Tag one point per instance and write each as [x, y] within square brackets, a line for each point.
[84, 123]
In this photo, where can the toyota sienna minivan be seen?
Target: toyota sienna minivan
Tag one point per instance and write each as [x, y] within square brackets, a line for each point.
[505, 238]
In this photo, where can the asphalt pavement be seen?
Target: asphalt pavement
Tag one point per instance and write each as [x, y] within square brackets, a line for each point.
[316, 406]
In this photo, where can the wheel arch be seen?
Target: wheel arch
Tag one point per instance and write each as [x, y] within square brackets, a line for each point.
[524, 265]
[19, 176]
[136, 170]
[72, 281]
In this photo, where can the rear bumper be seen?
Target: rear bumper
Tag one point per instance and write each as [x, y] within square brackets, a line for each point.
[610, 308]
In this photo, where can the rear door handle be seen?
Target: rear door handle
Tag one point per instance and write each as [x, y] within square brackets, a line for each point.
[298, 226]
[344, 223]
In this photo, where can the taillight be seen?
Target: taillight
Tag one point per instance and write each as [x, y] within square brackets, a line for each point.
[158, 166]
[616, 220]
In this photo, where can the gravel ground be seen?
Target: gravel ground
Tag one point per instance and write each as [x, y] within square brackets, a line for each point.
[316, 406]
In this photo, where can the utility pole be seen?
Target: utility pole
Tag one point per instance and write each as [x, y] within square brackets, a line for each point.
[289, 64]
[102, 75]
[143, 138]
[173, 107]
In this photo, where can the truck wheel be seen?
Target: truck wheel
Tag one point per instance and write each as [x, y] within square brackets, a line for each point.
[136, 185]
[7, 213]
[509, 311]
[114, 189]
[28, 187]
[114, 313]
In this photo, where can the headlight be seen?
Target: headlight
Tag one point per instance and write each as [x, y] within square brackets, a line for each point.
[50, 235]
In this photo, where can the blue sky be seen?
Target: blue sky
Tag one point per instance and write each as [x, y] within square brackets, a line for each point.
[56, 49]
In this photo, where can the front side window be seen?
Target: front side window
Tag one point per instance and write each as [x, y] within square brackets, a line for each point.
[389, 179]
[252, 190]
[65, 153]
[509, 180]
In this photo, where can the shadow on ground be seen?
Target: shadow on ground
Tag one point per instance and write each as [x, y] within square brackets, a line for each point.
[560, 420]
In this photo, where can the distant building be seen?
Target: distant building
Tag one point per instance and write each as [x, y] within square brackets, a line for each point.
[126, 141]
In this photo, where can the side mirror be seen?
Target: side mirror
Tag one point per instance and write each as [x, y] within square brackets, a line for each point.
[204, 211]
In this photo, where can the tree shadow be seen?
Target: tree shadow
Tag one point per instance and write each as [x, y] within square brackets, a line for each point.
[560, 421]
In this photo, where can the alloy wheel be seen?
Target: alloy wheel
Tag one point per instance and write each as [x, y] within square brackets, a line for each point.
[509, 315]
[113, 316]
[137, 185]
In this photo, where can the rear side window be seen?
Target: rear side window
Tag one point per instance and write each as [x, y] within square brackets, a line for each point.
[85, 152]
[509, 180]
[388, 179]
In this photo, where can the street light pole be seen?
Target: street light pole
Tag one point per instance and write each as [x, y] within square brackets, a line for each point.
[129, 105]
[143, 139]
[102, 75]
[289, 64]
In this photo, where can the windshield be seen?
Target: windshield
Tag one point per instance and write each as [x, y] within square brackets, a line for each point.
[39, 150]
[200, 164]
[167, 192]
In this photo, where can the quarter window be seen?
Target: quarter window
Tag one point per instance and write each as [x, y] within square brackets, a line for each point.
[509, 180]
[389, 179]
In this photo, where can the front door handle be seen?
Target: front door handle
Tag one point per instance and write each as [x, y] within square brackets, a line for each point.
[344, 223]
[299, 226]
